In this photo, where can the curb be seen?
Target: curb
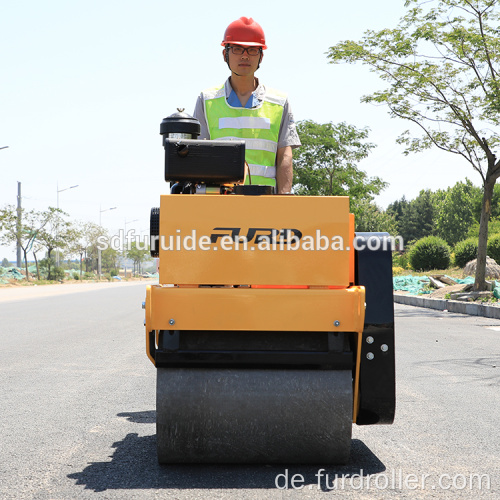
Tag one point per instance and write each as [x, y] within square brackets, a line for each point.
[454, 306]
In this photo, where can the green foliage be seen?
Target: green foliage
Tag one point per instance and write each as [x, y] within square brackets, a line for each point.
[493, 228]
[395, 259]
[404, 260]
[456, 212]
[397, 209]
[477, 204]
[25, 230]
[398, 271]
[400, 259]
[429, 253]
[494, 248]
[326, 163]
[369, 217]
[5, 262]
[465, 251]
[415, 219]
[438, 64]
[59, 273]
[76, 276]
[50, 270]
[139, 253]
[109, 260]
[54, 234]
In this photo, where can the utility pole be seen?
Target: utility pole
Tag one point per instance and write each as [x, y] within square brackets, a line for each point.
[18, 224]
[57, 228]
[18, 228]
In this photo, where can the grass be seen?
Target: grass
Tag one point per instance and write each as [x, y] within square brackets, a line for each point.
[452, 272]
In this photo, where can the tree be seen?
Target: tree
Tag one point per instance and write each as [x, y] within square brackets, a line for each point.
[75, 243]
[90, 232]
[138, 254]
[372, 218]
[5, 262]
[35, 249]
[441, 64]
[326, 163]
[456, 213]
[415, 218]
[53, 235]
[32, 224]
[397, 209]
[110, 260]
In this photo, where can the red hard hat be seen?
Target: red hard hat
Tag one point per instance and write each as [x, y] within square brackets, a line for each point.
[245, 31]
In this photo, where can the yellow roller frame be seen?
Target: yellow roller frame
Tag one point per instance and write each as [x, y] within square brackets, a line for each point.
[243, 309]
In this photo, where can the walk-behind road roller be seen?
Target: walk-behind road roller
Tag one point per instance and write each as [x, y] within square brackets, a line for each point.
[272, 326]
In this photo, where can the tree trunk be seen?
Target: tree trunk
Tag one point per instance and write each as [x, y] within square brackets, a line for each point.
[37, 269]
[49, 273]
[480, 281]
[26, 264]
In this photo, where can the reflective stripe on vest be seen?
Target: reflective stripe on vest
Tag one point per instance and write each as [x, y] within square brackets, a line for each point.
[258, 126]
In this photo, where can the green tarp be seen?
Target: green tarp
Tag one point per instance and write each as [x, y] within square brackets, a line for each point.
[414, 285]
[411, 284]
[8, 273]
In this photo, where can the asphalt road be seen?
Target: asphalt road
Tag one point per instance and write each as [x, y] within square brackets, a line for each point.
[77, 411]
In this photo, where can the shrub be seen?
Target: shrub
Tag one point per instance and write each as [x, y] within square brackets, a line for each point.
[76, 276]
[395, 258]
[465, 251]
[398, 271]
[57, 273]
[404, 261]
[493, 248]
[400, 259]
[50, 270]
[429, 253]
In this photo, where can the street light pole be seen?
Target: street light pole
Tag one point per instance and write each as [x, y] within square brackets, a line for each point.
[18, 225]
[57, 228]
[99, 250]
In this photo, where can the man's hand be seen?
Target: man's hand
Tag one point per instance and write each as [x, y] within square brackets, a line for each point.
[284, 170]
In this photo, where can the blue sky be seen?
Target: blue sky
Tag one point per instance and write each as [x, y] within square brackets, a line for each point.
[84, 86]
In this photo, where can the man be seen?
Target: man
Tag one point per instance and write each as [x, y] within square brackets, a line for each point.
[244, 108]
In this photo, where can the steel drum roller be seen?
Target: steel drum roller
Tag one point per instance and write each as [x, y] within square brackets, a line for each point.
[253, 415]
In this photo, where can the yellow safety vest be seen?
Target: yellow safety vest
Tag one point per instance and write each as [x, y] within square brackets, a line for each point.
[258, 126]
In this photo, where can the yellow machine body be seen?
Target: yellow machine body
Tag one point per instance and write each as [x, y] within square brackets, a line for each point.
[190, 223]
[207, 283]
